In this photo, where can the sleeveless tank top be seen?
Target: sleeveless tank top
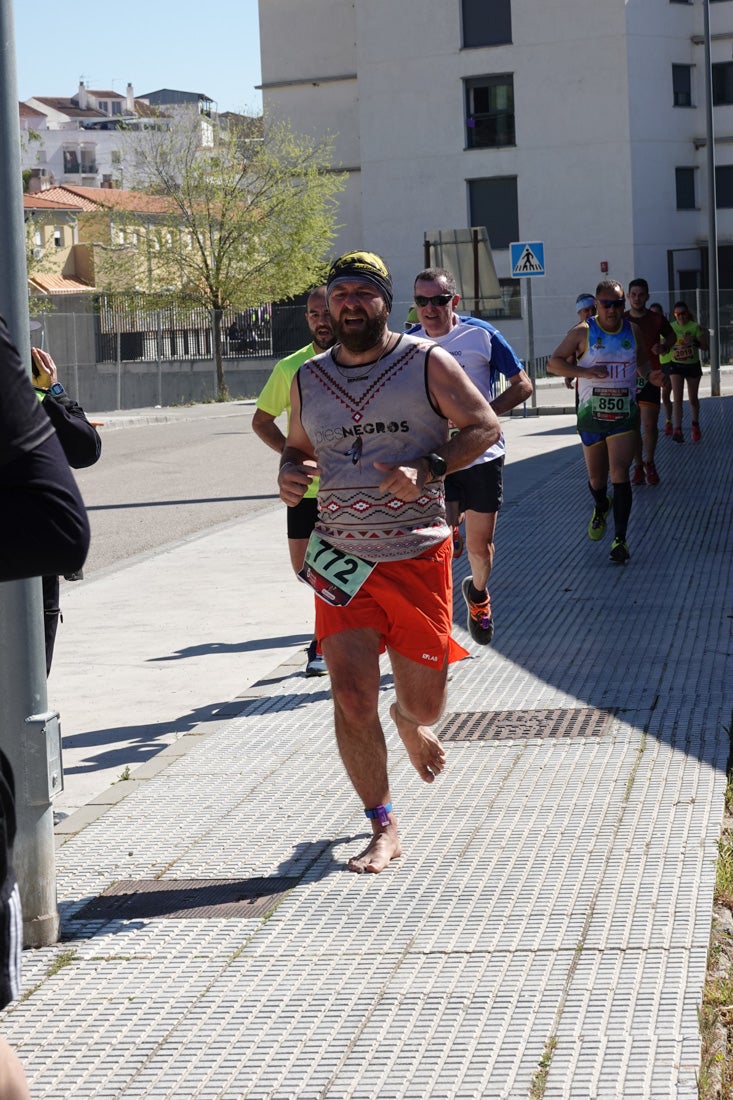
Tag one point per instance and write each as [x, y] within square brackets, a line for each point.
[608, 404]
[379, 412]
[685, 353]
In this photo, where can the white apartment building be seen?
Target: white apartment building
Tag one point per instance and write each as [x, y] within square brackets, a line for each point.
[577, 123]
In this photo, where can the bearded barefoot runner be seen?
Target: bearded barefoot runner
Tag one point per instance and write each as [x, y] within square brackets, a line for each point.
[371, 417]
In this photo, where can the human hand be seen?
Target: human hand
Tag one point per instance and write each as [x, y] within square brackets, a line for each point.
[293, 479]
[404, 482]
[44, 369]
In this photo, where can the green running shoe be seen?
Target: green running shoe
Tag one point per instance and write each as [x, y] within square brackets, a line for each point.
[619, 551]
[597, 525]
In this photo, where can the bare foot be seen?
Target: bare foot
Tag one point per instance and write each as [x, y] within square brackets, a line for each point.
[423, 747]
[383, 847]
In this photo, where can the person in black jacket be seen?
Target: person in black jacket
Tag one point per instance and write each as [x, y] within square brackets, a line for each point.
[45, 523]
[44, 527]
[82, 447]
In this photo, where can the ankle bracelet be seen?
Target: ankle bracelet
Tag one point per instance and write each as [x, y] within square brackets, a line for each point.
[380, 813]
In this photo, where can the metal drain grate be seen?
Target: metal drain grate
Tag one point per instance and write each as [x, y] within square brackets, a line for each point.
[187, 899]
[506, 725]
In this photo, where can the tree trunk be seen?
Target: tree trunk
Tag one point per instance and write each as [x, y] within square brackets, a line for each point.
[222, 390]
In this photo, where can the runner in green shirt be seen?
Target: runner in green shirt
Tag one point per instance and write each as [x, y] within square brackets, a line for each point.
[272, 402]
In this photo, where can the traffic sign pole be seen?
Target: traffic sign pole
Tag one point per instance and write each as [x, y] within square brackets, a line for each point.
[528, 261]
[530, 346]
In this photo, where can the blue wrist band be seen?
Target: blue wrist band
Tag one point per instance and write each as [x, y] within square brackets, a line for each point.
[381, 813]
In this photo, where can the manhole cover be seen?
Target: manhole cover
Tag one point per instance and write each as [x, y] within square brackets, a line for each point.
[506, 725]
[186, 899]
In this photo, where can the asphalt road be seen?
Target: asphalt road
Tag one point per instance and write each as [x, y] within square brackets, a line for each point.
[161, 481]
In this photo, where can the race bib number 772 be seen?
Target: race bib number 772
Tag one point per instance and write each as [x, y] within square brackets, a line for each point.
[333, 575]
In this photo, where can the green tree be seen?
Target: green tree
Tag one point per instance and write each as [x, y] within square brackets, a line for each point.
[251, 219]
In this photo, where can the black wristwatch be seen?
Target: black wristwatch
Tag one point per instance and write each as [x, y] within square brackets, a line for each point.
[437, 466]
[56, 390]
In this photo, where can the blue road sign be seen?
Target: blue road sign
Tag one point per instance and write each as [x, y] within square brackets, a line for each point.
[528, 258]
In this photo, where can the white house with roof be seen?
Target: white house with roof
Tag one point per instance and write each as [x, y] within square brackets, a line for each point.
[578, 125]
[81, 139]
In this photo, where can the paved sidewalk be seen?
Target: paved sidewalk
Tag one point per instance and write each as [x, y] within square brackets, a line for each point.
[553, 904]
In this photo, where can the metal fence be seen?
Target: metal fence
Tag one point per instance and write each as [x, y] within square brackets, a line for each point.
[135, 332]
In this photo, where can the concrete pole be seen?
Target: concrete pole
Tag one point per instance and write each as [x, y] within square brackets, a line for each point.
[22, 661]
[714, 303]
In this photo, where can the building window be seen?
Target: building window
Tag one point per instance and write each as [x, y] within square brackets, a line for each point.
[103, 105]
[722, 82]
[486, 22]
[685, 186]
[682, 85]
[493, 203]
[88, 161]
[116, 106]
[71, 162]
[489, 111]
[724, 186]
[58, 237]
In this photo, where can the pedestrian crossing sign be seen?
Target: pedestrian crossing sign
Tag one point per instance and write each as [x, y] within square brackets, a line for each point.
[528, 258]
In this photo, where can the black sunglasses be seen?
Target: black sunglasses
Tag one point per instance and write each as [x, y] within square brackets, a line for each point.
[436, 300]
[612, 303]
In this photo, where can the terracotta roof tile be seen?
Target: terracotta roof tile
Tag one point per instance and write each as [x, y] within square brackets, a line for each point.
[68, 195]
[40, 202]
[64, 104]
[59, 284]
[91, 198]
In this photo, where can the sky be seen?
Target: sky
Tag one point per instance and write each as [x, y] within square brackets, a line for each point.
[212, 48]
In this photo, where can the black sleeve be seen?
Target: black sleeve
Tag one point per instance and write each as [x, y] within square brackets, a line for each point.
[44, 526]
[79, 439]
[23, 424]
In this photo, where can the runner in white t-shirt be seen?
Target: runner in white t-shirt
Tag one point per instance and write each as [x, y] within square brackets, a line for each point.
[476, 490]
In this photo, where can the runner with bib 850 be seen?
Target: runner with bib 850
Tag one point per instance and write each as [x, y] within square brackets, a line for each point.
[606, 354]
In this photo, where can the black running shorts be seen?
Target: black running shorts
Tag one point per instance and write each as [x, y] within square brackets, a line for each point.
[479, 488]
[302, 518]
